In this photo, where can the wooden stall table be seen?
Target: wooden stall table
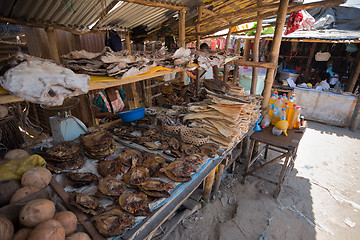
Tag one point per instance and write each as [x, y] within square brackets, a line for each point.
[286, 146]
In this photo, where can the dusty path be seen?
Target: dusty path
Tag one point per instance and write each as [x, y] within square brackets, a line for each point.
[322, 191]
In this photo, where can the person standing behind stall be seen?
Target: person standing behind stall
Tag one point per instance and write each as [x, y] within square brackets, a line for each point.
[211, 73]
[108, 103]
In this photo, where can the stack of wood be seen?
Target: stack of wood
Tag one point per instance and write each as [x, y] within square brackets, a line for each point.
[227, 115]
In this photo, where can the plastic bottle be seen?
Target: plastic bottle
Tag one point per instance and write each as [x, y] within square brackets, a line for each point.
[283, 114]
[287, 110]
[276, 95]
[294, 98]
[285, 99]
[291, 119]
[277, 111]
[265, 122]
[297, 120]
[271, 104]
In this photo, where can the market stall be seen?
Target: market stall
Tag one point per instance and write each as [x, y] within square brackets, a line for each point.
[124, 179]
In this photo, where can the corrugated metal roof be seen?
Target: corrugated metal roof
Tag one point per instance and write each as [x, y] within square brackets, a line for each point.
[80, 15]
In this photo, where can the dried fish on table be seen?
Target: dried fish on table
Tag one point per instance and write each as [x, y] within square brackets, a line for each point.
[86, 203]
[98, 144]
[135, 203]
[58, 167]
[136, 176]
[81, 179]
[114, 222]
[110, 167]
[154, 162]
[131, 157]
[111, 186]
[178, 171]
[156, 188]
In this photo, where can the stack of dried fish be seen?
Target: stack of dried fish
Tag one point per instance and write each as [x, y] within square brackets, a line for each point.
[122, 64]
[64, 156]
[98, 144]
[228, 116]
[176, 93]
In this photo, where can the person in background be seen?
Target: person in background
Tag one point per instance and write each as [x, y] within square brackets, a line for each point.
[108, 103]
[211, 73]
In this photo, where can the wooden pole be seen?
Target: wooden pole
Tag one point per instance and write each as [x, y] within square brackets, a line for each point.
[274, 53]
[200, 10]
[127, 41]
[355, 74]
[76, 42]
[308, 63]
[53, 47]
[247, 49]
[356, 116]
[238, 46]
[209, 181]
[256, 53]
[157, 4]
[182, 28]
[218, 177]
[182, 38]
[228, 39]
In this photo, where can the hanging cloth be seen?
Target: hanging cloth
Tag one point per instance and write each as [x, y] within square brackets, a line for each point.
[116, 106]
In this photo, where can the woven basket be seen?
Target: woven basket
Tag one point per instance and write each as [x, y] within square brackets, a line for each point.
[188, 135]
[171, 129]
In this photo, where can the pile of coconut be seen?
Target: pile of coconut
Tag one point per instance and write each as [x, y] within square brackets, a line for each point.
[38, 218]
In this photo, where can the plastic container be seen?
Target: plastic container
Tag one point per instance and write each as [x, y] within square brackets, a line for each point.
[284, 75]
[132, 115]
[283, 115]
[297, 120]
[293, 117]
[271, 104]
[265, 122]
[277, 111]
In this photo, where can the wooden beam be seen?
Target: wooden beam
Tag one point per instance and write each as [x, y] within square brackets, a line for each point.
[182, 28]
[239, 13]
[158, 5]
[53, 46]
[274, 53]
[309, 60]
[209, 181]
[356, 116]
[104, 13]
[327, 3]
[355, 74]
[256, 64]
[227, 43]
[211, 13]
[256, 53]
[247, 49]
[238, 46]
[21, 44]
[200, 10]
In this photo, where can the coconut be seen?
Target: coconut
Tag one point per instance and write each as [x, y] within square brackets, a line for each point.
[22, 234]
[68, 220]
[78, 236]
[7, 189]
[36, 211]
[6, 229]
[48, 230]
[16, 154]
[38, 176]
[24, 192]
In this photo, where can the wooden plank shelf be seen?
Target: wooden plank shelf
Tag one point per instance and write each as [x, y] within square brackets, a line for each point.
[105, 82]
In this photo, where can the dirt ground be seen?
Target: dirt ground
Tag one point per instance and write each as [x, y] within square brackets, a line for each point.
[320, 193]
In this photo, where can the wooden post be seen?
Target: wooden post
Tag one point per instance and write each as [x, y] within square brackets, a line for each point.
[200, 10]
[236, 74]
[356, 116]
[274, 53]
[228, 39]
[256, 53]
[238, 46]
[53, 47]
[209, 181]
[182, 38]
[218, 177]
[311, 56]
[355, 74]
[182, 28]
[127, 41]
[247, 49]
